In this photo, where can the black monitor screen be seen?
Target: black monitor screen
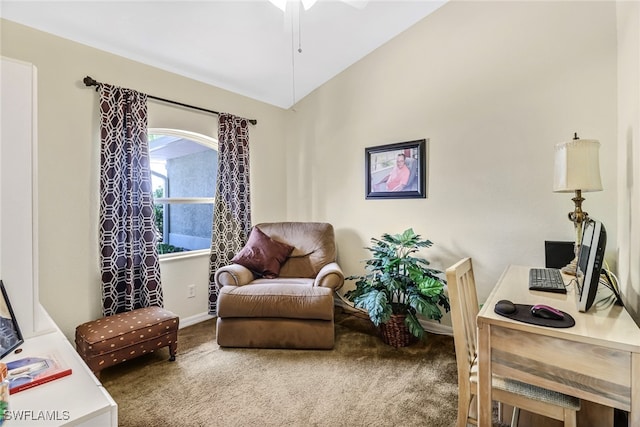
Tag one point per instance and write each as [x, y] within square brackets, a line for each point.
[583, 254]
[590, 259]
[10, 336]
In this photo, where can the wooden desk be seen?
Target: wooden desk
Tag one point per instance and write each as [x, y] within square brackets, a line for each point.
[594, 360]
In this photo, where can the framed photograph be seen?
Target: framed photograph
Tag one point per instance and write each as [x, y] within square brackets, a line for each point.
[10, 336]
[396, 171]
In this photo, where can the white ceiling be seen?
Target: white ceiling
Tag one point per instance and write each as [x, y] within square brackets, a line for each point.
[247, 47]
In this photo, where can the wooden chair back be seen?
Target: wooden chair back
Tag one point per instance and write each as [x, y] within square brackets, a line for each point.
[464, 309]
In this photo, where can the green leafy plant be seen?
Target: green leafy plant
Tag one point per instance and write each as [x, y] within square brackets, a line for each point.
[166, 248]
[158, 210]
[400, 282]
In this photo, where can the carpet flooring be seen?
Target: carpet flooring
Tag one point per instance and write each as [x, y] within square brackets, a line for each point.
[361, 382]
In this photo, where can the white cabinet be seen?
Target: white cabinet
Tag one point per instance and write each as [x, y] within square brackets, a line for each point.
[78, 399]
[18, 245]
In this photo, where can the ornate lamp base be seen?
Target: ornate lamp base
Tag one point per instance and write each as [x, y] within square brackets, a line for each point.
[571, 268]
[577, 217]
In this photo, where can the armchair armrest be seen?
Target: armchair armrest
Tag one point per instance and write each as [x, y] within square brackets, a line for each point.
[330, 276]
[233, 275]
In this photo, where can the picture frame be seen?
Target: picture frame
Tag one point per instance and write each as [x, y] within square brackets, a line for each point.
[383, 179]
[10, 335]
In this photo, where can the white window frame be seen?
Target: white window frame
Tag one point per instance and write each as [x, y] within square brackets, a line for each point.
[207, 141]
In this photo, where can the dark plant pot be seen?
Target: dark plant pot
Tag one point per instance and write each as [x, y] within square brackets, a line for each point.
[396, 333]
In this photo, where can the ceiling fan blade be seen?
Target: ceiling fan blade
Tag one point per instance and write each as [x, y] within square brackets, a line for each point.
[358, 4]
[280, 4]
[308, 4]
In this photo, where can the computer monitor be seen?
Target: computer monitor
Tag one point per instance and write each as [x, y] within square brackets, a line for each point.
[590, 260]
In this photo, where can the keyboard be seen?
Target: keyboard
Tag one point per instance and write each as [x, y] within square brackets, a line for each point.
[546, 280]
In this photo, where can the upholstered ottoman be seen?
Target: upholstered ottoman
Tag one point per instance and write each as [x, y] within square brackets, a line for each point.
[283, 315]
[113, 339]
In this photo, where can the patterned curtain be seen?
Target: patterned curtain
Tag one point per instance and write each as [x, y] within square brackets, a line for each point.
[232, 211]
[128, 253]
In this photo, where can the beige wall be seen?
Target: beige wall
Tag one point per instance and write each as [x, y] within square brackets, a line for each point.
[68, 150]
[493, 86]
[629, 154]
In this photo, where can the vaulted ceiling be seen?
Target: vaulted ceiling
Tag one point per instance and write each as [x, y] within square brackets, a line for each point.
[252, 48]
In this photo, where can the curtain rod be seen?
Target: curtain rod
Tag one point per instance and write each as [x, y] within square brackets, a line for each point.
[90, 81]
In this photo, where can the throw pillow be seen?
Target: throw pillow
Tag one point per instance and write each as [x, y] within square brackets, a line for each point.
[263, 255]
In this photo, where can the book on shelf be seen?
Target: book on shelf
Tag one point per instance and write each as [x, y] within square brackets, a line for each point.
[29, 372]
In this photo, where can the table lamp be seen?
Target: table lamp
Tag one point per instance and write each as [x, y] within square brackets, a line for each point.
[577, 169]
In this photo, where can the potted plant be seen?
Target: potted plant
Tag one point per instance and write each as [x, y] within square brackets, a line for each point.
[397, 286]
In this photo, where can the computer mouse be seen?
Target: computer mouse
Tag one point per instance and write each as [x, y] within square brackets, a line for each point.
[505, 306]
[545, 312]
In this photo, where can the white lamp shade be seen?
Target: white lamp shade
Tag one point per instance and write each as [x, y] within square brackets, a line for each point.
[577, 166]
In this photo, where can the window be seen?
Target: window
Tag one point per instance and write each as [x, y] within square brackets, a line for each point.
[183, 174]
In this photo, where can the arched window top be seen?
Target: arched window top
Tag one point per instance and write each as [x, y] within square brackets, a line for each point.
[205, 140]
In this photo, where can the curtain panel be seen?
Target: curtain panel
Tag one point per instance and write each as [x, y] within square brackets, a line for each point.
[128, 251]
[232, 211]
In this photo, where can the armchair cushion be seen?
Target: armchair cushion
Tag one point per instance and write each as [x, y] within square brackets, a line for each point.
[263, 255]
[276, 300]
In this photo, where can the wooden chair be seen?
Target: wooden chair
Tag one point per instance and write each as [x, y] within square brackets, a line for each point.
[464, 309]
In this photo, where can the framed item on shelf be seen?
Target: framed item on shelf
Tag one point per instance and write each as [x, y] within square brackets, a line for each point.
[10, 336]
[396, 171]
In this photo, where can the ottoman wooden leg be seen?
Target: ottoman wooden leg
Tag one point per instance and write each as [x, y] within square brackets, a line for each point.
[172, 351]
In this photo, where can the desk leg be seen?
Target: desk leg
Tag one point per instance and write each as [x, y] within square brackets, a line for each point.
[484, 375]
[634, 414]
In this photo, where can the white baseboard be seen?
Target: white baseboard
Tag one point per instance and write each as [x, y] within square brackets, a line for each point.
[192, 320]
[436, 328]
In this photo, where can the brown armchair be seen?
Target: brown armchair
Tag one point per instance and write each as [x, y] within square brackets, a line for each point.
[294, 309]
